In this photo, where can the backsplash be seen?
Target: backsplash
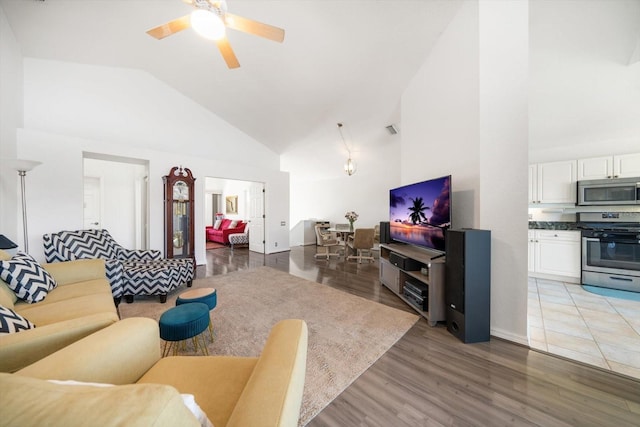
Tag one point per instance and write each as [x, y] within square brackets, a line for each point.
[553, 225]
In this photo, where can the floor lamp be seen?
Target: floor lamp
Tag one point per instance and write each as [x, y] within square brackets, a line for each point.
[24, 166]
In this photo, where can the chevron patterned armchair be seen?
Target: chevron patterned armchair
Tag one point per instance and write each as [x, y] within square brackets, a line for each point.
[130, 272]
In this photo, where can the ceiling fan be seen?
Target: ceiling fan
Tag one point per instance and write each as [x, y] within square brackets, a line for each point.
[209, 19]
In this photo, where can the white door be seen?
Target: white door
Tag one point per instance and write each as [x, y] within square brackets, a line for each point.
[92, 202]
[256, 217]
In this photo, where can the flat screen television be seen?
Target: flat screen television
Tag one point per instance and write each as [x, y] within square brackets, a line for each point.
[420, 213]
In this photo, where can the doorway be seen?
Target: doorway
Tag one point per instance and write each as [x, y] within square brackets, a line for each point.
[116, 198]
[247, 205]
[92, 202]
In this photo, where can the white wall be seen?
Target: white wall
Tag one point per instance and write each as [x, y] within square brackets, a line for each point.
[320, 189]
[452, 116]
[127, 113]
[119, 105]
[584, 95]
[440, 117]
[10, 119]
[504, 77]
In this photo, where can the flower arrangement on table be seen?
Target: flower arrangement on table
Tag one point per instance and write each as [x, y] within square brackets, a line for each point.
[351, 216]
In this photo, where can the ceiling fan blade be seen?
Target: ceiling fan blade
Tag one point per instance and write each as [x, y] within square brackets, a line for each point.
[170, 27]
[227, 53]
[254, 27]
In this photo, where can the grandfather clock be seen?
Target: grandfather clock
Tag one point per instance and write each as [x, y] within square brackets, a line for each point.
[178, 213]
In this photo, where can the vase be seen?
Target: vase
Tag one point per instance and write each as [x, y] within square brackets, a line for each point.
[350, 225]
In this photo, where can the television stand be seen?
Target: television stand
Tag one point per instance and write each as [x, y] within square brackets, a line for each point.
[401, 270]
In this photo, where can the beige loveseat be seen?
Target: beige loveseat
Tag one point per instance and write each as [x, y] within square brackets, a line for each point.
[259, 391]
[80, 305]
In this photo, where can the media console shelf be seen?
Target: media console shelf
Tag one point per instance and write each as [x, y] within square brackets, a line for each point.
[400, 268]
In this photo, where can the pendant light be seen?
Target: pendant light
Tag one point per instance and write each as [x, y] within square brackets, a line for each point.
[350, 165]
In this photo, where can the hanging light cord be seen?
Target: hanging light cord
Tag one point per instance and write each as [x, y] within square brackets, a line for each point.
[343, 140]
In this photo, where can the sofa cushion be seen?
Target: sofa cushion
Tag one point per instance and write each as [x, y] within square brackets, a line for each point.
[233, 224]
[59, 405]
[188, 399]
[4, 255]
[77, 305]
[26, 277]
[11, 322]
[7, 296]
[217, 224]
[230, 375]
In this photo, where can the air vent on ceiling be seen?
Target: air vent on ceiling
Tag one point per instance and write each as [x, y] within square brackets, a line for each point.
[392, 129]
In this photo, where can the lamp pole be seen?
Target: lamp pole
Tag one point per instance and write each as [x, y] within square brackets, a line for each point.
[22, 174]
[22, 166]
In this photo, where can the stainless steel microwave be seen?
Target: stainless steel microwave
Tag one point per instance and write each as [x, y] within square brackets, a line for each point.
[619, 191]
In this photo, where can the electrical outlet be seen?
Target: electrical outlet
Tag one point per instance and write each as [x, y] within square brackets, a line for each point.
[283, 223]
[276, 244]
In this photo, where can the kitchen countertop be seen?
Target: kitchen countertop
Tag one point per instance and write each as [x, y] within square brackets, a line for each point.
[553, 225]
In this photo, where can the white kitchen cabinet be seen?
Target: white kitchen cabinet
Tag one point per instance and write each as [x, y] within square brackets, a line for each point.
[553, 182]
[619, 166]
[626, 165]
[554, 253]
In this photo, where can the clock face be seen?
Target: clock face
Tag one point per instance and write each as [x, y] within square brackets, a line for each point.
[180, 191]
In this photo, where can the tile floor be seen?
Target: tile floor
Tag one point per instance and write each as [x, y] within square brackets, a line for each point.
[566, 320]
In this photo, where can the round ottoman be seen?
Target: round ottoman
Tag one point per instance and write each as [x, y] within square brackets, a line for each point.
[207, 296]
[183, 322]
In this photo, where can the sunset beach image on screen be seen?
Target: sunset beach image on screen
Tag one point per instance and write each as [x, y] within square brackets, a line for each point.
[420, 213]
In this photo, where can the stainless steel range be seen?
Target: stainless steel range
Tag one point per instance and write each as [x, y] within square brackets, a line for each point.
[611, 249]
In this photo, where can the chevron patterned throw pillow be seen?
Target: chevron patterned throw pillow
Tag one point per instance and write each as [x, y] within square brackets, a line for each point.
[11, 322]
[26, 277]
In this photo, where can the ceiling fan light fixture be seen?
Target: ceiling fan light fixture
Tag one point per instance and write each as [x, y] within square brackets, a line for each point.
[207, 24]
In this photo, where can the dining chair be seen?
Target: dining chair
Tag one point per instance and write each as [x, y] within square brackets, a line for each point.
[325, 240]
[361, 244]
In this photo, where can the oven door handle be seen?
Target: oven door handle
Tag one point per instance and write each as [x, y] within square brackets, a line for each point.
[624, 279]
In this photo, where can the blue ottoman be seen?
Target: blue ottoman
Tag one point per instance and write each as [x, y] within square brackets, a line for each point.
[183, 322]
[207, 296]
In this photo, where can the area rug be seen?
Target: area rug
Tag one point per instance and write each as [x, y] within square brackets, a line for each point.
[614, 293]
[347, 334]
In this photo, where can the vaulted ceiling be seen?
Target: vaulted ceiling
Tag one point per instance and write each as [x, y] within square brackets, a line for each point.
[345, 61]
[340, 60]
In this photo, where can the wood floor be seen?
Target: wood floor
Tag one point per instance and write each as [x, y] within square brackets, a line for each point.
[429, 378]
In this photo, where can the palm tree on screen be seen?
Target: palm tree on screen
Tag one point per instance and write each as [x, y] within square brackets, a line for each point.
[417, 210]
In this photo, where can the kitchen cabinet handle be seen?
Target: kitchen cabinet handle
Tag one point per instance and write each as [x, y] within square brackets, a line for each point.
[615, 176]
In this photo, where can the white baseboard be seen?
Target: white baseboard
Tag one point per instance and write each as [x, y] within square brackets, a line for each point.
[509, 336]
[566, 279]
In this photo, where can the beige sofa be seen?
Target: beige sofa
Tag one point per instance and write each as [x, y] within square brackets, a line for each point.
[80, 305]
[259, 391]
